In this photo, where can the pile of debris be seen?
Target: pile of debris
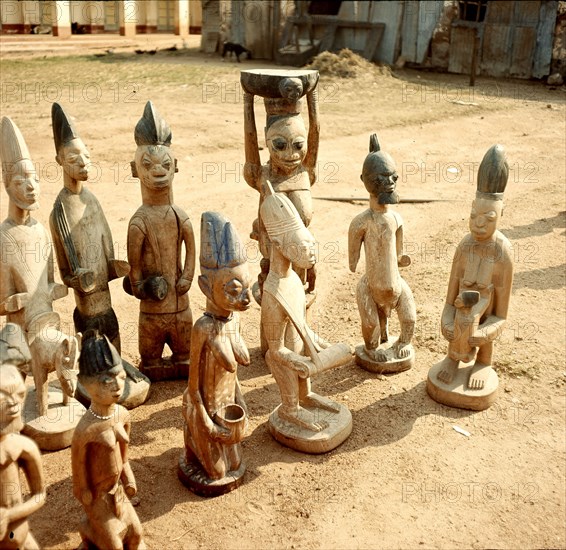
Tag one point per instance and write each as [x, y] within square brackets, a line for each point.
[346, 64]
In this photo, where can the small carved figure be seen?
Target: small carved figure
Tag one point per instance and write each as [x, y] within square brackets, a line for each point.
[483, 268]
[103, 481]
[304, 421]
[17, 451]
[382, 289]
[156, 235]
[293, 153]
[85, 251]
[213, 406]
[27, 291]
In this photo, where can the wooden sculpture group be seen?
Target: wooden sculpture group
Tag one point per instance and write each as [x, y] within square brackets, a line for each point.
[159, 273]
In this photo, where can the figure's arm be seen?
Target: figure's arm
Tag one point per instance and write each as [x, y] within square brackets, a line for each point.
[313, 135]
[10, 299]
[116, 268]
[81, 489]
[62, 262]
[403, 260]
[449, 311]
[199, 340]
[56, 290]
[252, 167]
[127, 476]
[356, 235]
[30, 461]
[135, 244]
[186, 280]
[240, 397]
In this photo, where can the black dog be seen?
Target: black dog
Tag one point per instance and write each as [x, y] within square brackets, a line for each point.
[237, 49]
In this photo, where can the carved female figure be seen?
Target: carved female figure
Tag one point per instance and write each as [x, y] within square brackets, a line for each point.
[103, 480]
[213, 406]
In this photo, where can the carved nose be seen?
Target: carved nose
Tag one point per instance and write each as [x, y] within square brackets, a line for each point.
[246, 297]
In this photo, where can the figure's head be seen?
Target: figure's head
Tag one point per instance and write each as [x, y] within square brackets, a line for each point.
[286, 139]
[72, 154]
[286, 230]
[100, 369]
[12, 395]
[14, 348]
[291, 88]
[18, 172]
[487, 208]
[224, 278]
[154, 164]
[379, 174]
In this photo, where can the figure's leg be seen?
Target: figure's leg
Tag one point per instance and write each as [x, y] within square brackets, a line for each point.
[407, 313]
[151, 339]
[290, 389]
[180, 336]
[30, 543]
[40, 376]
[368, 314]
[134, 536]
[482, 367]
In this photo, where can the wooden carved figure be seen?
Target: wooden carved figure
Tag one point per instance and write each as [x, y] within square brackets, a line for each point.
[157, 233]
[304, 420]
[382, 289]
[293, 152]
[17, 451]
[213, 407]
[103, 480]
[85, 251]
[478, 297]
[27, 291]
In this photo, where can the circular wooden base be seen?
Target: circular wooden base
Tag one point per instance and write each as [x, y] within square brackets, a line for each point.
[307, 441]
[456, 394]
[135, 392]
[194, 477]
[166, 370]
[53, 431]
[391, 366]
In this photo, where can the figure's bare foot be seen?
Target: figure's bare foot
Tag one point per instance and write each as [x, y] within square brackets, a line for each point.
[479, 375]
[448, 370]
[304, 419]
[318, 402]
[379, 355]
[402, 350]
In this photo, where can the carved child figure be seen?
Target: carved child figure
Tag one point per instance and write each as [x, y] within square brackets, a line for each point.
[482, 263]
[17, 451]
[382, 289]
[84, 247]
[293, 153]
[103, 480]
[304, 421]
[156, 235]
[213, 406]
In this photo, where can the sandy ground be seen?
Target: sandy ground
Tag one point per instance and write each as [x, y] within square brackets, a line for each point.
[405, 478]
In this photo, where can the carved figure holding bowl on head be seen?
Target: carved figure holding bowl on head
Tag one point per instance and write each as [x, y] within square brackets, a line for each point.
[157, 234]
[213, 406]
[17, 452]
[293, 151]
[103, 481]
[477, 300]
[304, 420]
[27, 292]
[85, 250]
[382, 289]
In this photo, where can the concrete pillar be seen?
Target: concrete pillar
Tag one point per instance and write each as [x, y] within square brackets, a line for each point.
[128, 17]
[12, 17]
[62, 24]
[182, 17]
[151, 16]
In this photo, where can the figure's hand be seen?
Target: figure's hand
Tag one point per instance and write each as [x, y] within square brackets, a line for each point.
[448, 332]
[404, 260]
[58, 291]
[156, 287]
[86, 497]
[183, 286]
[4, 522]
[16, 302]
[219, 433]
[118, 268]
[83, 280]
[131, 490]
[479, 338]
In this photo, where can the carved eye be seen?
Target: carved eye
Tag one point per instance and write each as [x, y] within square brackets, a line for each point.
[234, 288]
[166, 164]
[298, 145]
[279, 144]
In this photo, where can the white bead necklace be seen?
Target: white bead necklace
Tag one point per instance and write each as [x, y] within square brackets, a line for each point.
[98, 416]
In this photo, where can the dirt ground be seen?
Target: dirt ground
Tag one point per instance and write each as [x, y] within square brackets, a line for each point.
[404, 478]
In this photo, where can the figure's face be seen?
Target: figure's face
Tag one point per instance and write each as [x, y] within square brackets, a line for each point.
[74, 158]
[155, 166]
[231, 288]
[484, 218]
[383, 178]
[23, 185]
[299, 247]
[291, 88]
[287, 143]
[12, 395]
[107, 387]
